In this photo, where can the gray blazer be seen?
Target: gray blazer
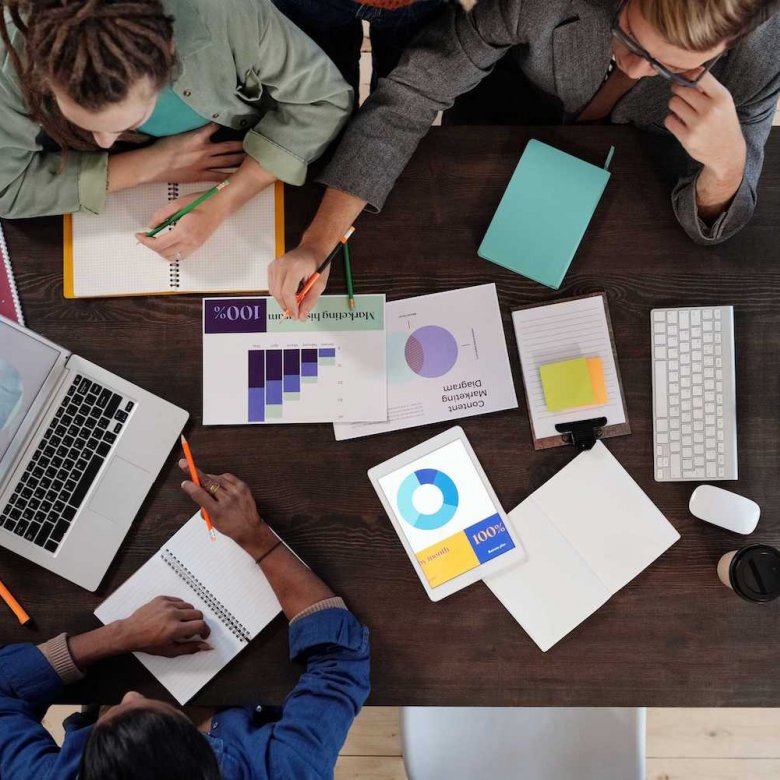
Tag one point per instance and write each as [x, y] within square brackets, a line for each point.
[563, 47]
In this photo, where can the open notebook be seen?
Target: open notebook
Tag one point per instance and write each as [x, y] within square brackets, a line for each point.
[103, 259]
[587, 533]
[219, 579]
[577, 327]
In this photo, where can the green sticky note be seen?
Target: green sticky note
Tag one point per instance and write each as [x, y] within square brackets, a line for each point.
[567, 384]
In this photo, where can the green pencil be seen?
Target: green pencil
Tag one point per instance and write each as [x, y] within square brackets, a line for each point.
[348, 274]
[187, 209]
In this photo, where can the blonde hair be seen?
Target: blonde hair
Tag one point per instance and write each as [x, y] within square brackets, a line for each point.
[701, 25]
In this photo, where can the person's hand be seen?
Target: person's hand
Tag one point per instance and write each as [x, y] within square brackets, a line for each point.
[191, 157]
[704, 120]
[232, 509]
[190, 232]
[165, 626]
[287, 273]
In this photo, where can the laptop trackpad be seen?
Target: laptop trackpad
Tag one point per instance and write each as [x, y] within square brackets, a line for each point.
[121, 491]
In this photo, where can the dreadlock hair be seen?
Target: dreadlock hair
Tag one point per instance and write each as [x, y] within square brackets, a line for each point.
[93, 50]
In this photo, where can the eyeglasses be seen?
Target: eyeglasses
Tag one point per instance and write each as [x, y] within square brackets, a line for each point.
[627, 41]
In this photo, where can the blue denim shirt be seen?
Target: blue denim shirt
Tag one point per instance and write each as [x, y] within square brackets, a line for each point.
[300, 741]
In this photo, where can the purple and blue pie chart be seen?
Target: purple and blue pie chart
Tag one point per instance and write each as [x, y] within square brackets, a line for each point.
[431, 351]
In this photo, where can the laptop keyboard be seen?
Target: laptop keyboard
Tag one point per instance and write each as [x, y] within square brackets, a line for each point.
[79, 438]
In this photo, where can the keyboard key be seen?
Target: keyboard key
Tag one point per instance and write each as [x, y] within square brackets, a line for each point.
[113, 404]
[60, 529]
[103, 449]
[129, 406]
[104, 398]
[121, 416]
[86, 480]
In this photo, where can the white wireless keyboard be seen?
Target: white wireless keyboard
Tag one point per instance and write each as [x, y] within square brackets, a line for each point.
[694, 397]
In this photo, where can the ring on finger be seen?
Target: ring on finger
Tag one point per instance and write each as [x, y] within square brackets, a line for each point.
[213, 489]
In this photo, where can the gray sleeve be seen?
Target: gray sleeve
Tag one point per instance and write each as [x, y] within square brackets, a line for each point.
[450, 57]
[756, 120]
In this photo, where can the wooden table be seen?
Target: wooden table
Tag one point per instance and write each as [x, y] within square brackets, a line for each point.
[674, 636]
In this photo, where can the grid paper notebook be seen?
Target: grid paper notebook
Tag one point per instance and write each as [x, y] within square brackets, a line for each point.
[219, 579]
[102, 258]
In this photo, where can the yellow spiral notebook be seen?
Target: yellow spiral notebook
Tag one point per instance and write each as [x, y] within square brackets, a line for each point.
[102, 258]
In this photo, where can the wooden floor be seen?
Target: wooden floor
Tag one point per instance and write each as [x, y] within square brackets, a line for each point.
[682, 744]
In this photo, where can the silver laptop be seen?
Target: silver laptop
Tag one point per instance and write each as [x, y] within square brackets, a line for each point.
[79, 451]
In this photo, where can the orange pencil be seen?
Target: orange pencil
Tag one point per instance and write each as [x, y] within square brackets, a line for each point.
[194, 477]
[312, 280]
[16, 608]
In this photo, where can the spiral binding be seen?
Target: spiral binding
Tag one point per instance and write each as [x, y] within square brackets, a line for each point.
[174, 270]
[217, 607]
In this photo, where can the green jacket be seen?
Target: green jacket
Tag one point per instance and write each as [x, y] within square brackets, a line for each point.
[240, 63]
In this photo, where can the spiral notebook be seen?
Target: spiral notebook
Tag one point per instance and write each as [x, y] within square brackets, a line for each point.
[217, 578]
[102, 258]
[9, 297]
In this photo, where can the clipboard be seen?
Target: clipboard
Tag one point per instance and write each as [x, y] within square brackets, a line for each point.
[579, 326]
[120, 291]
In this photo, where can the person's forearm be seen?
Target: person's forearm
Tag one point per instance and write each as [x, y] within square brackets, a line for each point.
[715, 189]
[336, 214]
[129, 169]
[247, 182]
[105, 642]
[294, 584]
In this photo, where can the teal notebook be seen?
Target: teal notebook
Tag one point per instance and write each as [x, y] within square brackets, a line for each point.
[544, 214]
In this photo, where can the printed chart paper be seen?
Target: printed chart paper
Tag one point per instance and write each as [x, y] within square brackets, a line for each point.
[259, 368]
[446, 359]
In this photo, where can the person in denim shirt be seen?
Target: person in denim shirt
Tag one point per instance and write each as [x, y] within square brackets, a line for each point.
[150, 739]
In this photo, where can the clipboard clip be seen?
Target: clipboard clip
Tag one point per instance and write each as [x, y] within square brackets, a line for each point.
[582, 434]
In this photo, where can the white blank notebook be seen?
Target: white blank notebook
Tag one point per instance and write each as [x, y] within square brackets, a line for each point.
[587, 532]
[103, 258]
[219, 579]
[561, 331]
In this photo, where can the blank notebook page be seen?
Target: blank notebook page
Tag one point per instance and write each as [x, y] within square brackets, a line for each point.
[229, 575]
[561, 331]
[108, 261]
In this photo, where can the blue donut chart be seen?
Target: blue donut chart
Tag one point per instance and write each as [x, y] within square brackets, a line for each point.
[449, 494]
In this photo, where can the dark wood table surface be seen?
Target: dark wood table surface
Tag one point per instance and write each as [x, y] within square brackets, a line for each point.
[673, 636]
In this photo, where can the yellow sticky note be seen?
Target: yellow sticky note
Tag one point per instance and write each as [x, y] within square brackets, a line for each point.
[567, 385]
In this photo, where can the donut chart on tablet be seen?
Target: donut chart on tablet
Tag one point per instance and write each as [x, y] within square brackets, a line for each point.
[449, 499]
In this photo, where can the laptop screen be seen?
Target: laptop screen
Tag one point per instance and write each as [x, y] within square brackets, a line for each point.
[24, 365]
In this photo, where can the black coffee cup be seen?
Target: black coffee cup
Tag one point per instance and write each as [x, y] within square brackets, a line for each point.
[752, 572]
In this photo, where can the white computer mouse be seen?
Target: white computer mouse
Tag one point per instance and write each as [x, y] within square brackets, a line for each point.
[724, 508]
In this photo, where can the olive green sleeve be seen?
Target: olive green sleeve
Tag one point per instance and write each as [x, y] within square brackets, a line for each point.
[309, 100]
[34, 183]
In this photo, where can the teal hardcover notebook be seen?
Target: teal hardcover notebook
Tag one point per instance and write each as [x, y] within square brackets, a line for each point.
[544, 213]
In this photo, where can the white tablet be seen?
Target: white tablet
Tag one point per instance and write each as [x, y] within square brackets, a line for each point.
[446, 513]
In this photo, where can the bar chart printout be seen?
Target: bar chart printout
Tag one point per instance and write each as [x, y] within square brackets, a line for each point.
[260, 368]
[276, 376]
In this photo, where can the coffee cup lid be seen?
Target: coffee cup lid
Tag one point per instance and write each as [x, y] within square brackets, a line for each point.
[755, 572]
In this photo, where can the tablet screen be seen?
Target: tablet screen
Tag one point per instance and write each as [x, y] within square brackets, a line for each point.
[446, 514]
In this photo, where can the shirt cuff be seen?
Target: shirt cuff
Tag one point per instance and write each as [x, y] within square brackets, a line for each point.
[332, 627]
[93, 182]
[333, 603]
[277, 160]
[57, 653]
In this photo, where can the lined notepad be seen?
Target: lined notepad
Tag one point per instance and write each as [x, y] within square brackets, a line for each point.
[219, 579]
[577, 328]
[103, 259]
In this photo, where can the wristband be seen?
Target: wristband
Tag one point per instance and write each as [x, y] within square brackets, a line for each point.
[266, 554]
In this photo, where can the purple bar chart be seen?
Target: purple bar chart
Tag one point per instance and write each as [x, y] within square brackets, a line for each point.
[275, 377]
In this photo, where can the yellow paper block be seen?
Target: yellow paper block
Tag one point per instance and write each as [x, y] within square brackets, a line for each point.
[445, 560]
[567, 385]
[596, 370]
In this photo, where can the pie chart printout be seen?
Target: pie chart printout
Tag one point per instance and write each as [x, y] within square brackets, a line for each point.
[440, 490]
[431, 351]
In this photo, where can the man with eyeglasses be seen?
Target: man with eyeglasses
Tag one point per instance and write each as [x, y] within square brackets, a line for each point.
[580, 61]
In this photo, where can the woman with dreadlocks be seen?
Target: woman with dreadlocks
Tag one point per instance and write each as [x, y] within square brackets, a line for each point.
[78, 76]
